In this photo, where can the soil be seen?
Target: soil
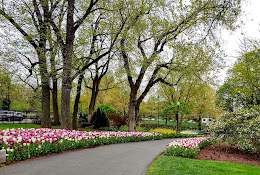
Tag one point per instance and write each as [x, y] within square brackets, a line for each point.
[224, 152]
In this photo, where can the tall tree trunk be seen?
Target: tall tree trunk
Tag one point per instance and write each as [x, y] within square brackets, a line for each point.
[65, 94]
[67, 66]
[94, 94]
[45, 119]
[55, 106]
[76, 103]
[137, 109]
[131, 111]
[54, 73]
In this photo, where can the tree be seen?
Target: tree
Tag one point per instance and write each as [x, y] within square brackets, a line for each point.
[66, 40]
[176, 108]
[203, 104]
[242, 87]
[37, 15]
[149, 34]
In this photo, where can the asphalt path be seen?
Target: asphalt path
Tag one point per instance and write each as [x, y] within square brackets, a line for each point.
[115, 159]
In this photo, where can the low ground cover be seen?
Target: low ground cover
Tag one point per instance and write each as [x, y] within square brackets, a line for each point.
[165, 165]
[22, 144]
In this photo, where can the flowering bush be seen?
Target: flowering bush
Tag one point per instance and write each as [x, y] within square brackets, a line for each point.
[186, 147]
[25, 143]
[239, 128]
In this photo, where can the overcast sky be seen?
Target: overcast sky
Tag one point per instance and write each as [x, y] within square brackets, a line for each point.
[250, 28]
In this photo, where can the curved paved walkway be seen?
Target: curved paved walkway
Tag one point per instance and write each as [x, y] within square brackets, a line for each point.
[117, 159]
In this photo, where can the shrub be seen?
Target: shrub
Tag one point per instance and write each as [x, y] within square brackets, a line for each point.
[207, 143]
[117, 120]
[108, 129]
[123, 128]
[99, 120]
[239, 128]
[83, 120]
[106, 109]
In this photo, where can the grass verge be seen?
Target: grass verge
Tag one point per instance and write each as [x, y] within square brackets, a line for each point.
[165, 165]
[16, 126]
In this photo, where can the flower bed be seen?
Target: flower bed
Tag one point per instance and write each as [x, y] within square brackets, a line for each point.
[187, 147]
[167, 133]
[26, 143]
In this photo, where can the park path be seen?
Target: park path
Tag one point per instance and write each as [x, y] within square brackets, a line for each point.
[116, 159]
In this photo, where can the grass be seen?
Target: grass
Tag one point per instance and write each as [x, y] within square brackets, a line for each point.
[166, 165]
[24, 126]
[172, 124]
[16, 126]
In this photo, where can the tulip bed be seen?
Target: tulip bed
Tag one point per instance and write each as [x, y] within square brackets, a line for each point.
[23, 144]
[187, 147]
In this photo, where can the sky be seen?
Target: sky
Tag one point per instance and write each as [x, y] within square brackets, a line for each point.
[250, 28]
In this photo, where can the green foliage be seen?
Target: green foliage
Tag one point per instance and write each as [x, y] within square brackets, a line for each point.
[166, 165]
[99, 120]
[83, 120]
[239, 128]
[19, 107]
[181, 152]
[207, 143]
[106, 108]
[242, 88]
[171, 110]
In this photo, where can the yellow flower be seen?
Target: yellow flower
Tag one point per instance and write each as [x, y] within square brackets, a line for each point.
[164, 131]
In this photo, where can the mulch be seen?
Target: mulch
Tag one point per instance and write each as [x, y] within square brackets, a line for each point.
[225, 152]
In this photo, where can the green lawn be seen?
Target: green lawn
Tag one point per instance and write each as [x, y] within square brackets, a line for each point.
[172, 124]
[168, 165]
[16, 126]
[24, 126]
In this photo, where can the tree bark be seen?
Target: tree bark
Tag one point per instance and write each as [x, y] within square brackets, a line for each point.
[55, 106]
[76, 104]
[67, 53]
[94, 94]
[132, 111]
[45, 118]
